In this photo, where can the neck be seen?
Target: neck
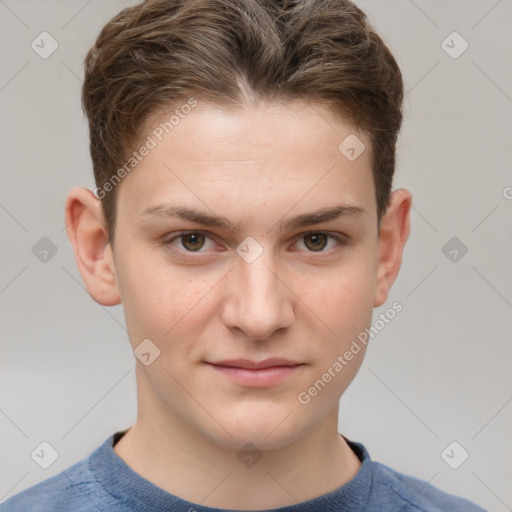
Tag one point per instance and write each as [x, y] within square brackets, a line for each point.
[193, 467]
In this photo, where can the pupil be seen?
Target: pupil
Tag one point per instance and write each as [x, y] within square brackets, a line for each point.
[193, 241]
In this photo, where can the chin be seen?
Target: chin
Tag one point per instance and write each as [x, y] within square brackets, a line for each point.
[263, 428]
[251, 439]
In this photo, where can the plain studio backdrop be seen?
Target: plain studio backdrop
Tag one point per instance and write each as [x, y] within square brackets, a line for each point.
[433, 398]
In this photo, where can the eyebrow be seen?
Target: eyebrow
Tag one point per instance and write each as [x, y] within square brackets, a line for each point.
[165, 210]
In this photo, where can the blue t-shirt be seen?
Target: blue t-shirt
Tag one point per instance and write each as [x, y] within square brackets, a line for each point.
[103, 482]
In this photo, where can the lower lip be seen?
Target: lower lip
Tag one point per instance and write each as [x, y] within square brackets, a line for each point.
[258, 378]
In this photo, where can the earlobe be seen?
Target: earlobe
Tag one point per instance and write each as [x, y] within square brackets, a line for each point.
[87, 232]
[394, 232]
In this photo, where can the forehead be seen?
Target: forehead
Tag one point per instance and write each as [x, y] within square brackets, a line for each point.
[262, 129]
[259, 153]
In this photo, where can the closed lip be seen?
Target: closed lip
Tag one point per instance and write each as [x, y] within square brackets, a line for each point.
[256, 365]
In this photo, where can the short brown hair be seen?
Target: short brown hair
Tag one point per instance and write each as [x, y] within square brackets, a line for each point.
[156, 54]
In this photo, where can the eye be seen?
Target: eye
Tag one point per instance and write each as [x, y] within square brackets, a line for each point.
[191, 241]
[198, 242]
[319, 241]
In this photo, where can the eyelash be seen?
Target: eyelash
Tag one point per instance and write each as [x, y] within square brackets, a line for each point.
[340, 242]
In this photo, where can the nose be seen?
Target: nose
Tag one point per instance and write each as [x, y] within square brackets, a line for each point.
[258, 300]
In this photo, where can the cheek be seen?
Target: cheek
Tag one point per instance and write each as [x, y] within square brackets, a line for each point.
[159, 300]
[343, 309]
[342, 299]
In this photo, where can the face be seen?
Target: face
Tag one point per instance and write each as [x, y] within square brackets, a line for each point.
[248, 236]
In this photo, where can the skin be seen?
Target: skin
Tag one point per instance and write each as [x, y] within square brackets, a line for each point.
[301, 299]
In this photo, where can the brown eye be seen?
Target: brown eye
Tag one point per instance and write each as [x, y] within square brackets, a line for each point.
[192, 241]
[316, 241]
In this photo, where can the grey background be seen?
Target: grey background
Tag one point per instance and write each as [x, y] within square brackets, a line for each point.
[439, 372]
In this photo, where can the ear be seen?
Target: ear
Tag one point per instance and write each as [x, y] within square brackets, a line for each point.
[86, 228]
[395, 226]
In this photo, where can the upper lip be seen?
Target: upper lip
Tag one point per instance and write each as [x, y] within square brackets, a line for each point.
[255, 365]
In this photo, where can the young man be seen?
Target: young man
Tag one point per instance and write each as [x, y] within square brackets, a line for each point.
[243, 153]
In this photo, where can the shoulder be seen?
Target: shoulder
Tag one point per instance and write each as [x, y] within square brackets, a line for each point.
[413, 494]
[75, 488]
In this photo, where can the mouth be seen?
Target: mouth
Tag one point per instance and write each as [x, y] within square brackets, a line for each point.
[257, 374]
